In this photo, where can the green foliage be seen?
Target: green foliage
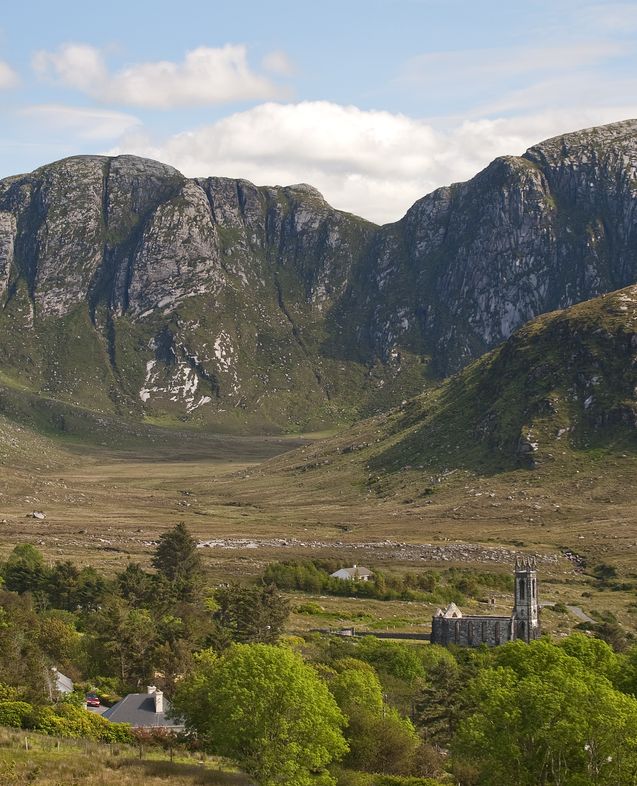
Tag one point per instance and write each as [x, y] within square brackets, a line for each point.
[540, 716]
[398, 660]
[14, 713]
[124, 639]
[439, 703]
[249, 614]
[62, 586]
[23, 662]
[263, 707]
[179, 561]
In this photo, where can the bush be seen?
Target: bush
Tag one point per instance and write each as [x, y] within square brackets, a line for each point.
[14, 713]
[63, 720]
[313, 609]
[355, 778]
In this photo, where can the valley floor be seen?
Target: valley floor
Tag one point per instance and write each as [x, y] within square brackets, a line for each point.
[104, 506]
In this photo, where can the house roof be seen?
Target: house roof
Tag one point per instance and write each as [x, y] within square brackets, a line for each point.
[138, 709]
[355, 572]
[63, 684]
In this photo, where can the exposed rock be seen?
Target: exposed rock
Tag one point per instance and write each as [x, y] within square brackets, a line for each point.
[127, 286]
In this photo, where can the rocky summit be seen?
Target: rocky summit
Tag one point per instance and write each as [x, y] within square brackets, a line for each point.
[129, 289]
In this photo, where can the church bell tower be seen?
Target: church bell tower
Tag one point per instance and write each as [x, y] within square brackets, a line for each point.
[526, 621]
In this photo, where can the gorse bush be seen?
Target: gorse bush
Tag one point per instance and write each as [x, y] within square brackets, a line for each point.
[63, 720]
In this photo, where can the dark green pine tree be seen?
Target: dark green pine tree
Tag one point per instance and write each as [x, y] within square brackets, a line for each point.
[249, 614]
[178, 560]
[438, 707]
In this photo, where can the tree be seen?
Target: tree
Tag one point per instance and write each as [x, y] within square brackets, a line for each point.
[135, 585]
[62, 585]
[250, 614]
[126, 638]
[24, 570]
[379, 739]
[266, 709]
[438, 706]
[23, 664]
[541, 717]
[179, 561]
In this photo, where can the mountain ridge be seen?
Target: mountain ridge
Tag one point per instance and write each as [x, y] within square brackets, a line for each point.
[213, 301]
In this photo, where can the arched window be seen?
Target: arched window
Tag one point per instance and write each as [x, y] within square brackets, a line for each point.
[522, 630]
[456, 631]
[522, 590]
[497, 632]
[534, 589]
[484, 632]
[470, 632]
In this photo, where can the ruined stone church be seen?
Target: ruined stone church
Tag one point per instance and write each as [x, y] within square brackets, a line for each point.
[452, 627]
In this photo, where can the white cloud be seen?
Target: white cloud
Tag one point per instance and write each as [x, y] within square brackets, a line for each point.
[372, 163]
[205, 76]
[8, 77]
[84, 124]
[76, 65]
[278, 62]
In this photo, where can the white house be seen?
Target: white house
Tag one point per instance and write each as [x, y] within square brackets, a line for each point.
[355, 573]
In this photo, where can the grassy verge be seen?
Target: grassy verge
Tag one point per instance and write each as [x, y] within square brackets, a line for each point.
[27, 758]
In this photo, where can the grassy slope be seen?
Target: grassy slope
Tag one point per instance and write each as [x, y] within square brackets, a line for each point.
[50, 762]
[444, 468]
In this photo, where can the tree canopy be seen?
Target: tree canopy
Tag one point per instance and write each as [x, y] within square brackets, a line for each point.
[265, 708]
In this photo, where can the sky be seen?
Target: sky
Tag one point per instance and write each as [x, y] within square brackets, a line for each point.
[374, 103]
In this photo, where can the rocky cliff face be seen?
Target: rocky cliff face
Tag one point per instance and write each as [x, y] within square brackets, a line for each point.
[125, 286]
[565, 383]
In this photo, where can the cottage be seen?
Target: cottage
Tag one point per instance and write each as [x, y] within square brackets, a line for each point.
[148, 710]
[452, 627]
[355, 573]
[59, 683]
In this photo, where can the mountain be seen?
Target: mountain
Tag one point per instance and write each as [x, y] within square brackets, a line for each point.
[562, 386]
[128, 289]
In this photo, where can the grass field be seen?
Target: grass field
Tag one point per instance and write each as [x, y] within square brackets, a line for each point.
[27, 758]
[106, 504]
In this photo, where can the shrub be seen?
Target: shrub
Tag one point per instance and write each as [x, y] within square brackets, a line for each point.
[14, 713]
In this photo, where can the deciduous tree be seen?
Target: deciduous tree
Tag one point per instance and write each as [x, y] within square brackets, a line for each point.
[266, 709]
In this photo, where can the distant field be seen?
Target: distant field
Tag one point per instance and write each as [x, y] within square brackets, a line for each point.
[106, 504]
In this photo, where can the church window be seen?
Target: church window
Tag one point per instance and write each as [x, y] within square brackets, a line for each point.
[522, 588]
[497, 632]
[484, 631]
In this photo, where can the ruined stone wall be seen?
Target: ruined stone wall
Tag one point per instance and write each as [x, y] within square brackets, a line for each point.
[471, 631]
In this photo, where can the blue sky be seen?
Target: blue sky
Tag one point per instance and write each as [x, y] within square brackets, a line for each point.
[375, 103]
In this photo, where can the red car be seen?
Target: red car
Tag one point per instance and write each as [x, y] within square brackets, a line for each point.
[92, 700]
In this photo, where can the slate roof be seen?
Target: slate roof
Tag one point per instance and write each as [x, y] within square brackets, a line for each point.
[355, 572]
[63, 684]
[138, 709]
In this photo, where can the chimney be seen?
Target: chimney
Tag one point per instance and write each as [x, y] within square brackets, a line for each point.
[159, 701]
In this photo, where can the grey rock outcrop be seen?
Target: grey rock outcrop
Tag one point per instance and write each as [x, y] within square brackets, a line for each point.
[216, 297]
